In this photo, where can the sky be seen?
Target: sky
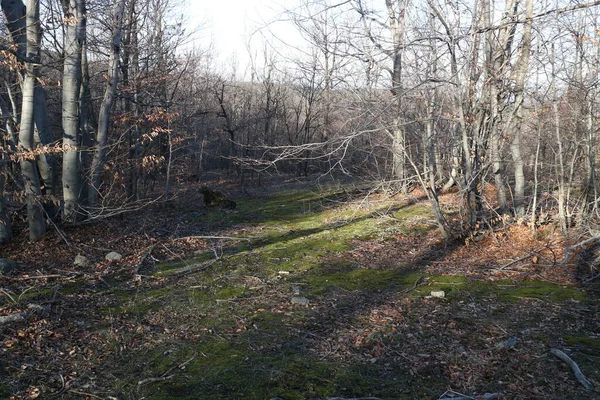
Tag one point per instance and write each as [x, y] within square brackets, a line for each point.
[230, 23]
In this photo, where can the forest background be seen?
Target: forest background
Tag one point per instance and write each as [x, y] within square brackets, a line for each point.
[99, 99]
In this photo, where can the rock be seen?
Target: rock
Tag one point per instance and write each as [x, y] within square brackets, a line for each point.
[507, 343]
[81, 261]
[7, 266]
[113, 255]
[300, 300]
[440, 294]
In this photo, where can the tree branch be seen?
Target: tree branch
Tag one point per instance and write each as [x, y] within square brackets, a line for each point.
[578, 374]
[539, 15]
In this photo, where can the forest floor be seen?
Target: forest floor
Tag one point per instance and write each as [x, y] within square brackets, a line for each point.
[303, 292]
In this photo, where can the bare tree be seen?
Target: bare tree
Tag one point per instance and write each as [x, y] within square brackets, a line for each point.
[24, 26]
[107, 103]
[75, 36]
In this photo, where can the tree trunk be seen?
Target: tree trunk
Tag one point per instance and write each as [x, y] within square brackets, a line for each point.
[24, 27]
[129, 73]
[515, 129]
[74, 14]
[8, 147]
[560, 164]
[5, 226]
[398, 154]
[106, 105]
[396, 19]
[86, 128]
[498, 51]
[33, 192]
[46, 161]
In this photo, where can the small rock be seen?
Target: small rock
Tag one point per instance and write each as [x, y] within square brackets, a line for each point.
[300, 300]
[507, 343]
[296, 290]
[7, 266]
[113, 255]
[81, 261]
[440, 294]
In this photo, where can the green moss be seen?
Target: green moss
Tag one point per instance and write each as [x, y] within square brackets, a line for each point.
[415, 211]
[226, 370]
[514, 292]
[361, 279]
[450, 284]
[585, 344]
[231, 292]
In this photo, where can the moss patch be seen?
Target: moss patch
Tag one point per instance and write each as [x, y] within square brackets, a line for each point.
[514, 292]
[360, 279]
[586, 344]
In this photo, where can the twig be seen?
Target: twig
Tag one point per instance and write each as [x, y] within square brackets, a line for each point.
[8, 295]
[166, 375]
[216, 237]
[12, 318]
[353, 398]
[568, 249]
[85, 394]
[58, 230]
[578, 374]
[193, 268]
[591, 279]
[42, 277]
[414, 286]
[62, 388]
[513, 262]
[487, 396]
[157, 379]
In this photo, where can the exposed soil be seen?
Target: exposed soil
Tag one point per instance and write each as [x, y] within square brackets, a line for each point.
[301, 292]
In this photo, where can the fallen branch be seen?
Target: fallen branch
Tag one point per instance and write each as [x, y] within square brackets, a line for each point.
[8, 295]
[591, 279]
[216, 237]
[193, 268]
[512, 263]
[353, 398]
[578, 374]
[487, 396]
[166, 376]
[414, 286]
[576, 245]
[158, 379]
[5, 319]
[86, 394]
[52, 276]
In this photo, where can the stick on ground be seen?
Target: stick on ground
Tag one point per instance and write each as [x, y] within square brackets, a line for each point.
[578, 374]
